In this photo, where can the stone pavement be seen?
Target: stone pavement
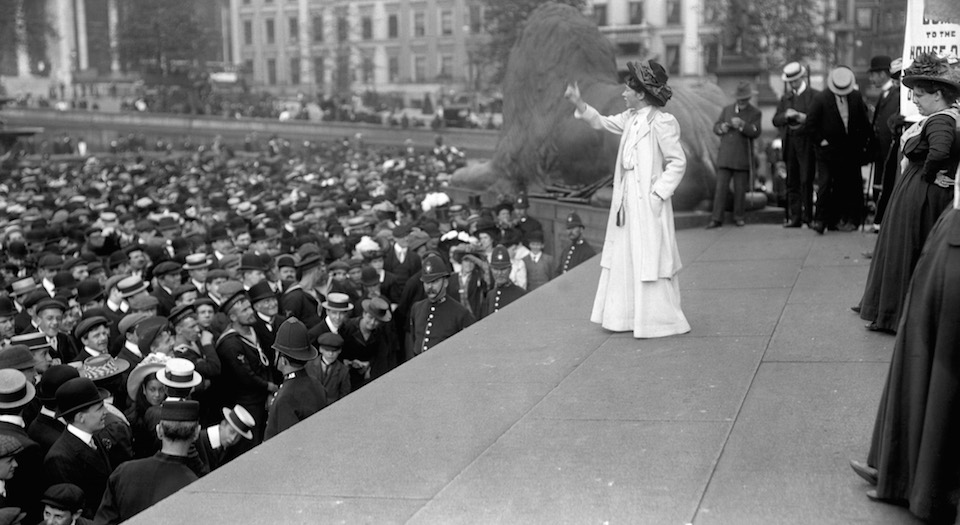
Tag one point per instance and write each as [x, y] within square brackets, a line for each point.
[537, 416]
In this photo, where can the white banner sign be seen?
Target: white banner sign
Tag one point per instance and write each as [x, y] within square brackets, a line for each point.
[932, 25]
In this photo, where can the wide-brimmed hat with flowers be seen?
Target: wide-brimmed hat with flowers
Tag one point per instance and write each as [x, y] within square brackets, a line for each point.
[933, 68]
[649, 77]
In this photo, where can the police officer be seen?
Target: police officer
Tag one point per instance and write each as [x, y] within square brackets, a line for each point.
[437, 317]
[504, 291]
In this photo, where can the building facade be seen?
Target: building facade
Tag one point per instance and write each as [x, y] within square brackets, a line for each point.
[411, 47]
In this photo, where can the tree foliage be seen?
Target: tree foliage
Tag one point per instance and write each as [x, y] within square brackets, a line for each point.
[155, 33]
[774, 31]
[505, 20]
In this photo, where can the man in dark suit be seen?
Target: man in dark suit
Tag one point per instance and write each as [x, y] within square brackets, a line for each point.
[265, 304]
[328, 369]
[887, 106]
[140, 483]
[245, 378]
[46, 428]
[78, 456]
[302, 300]
[841, 131]
[579, 249]
[798, 153]
[23, 488]
[214, 440]
[300, 396]
[168, 278]
[738, 124]
[400, 259]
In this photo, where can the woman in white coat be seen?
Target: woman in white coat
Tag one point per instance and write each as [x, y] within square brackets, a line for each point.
[638, 288]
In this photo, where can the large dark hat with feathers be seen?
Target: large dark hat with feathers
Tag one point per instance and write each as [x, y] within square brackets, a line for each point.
[649, 77]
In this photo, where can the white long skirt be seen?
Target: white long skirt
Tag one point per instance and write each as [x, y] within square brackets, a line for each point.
[624, 303]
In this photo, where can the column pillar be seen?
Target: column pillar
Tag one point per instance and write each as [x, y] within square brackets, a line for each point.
[66, 43]
[690, 61]
[113, 23]
[305, 34]
[20, 28]
[81, 21]
[236, 36]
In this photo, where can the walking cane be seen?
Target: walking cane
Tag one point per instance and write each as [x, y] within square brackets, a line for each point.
[866, 197]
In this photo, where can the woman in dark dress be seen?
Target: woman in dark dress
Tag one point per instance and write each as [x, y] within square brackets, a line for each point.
[914, 457]
[931, 150]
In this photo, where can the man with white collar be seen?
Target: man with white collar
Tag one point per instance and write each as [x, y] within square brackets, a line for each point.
[197, 265]
[94, 333]
[48, 267]
[167, 275]
[47, 426]
[78, 456]
[215, 440]
[798, 152]
[23, 489]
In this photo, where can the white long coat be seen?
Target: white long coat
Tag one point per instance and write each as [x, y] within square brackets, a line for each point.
[638, 289]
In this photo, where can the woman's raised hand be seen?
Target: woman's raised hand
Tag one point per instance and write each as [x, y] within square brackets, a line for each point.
[573, 93]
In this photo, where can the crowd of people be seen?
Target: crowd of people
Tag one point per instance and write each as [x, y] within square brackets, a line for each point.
[163, 314]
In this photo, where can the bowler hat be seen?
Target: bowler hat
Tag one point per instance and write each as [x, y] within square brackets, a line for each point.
[240, 420]
[880, 63]
[293, 341]
[17, 357]
[15, 390]
[179, 373]
[433, 268]
[89, 290]
[51, 380]
[286, 261]
[369, 276]
[337, 302]
[75, 395]
[378, 308]
[117, 258]
[64, 496]
[261, 292]
[250, 262]
[6, 308]
[100, 367]
[180, 411]
[500, 258]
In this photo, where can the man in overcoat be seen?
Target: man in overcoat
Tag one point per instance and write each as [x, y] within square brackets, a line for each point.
[790, 117]
[738, 124]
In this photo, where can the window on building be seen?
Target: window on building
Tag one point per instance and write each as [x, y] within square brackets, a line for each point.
[393, 26]
[367, 69]
[673, 11]
[343, 29]
[865, 18]
[446, 66]
[476, 19]
[248, 66]
[318, 28]
[294, 24]
[600, 14]
[419, 68]
[271, 35]
[295, 71]
[636, 13]
[393, 68]
[318, 71]
[366, 25]
[446, 22]
[419, 23]
[272, 71]
[672, 59]
[248, 32]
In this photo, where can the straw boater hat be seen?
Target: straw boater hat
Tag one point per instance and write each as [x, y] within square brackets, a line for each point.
[793, 71]
[197, 261]
[240, 420]
[337, 302]
[15, 390]
[179, 373]
[102, 367]
[842, 81]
